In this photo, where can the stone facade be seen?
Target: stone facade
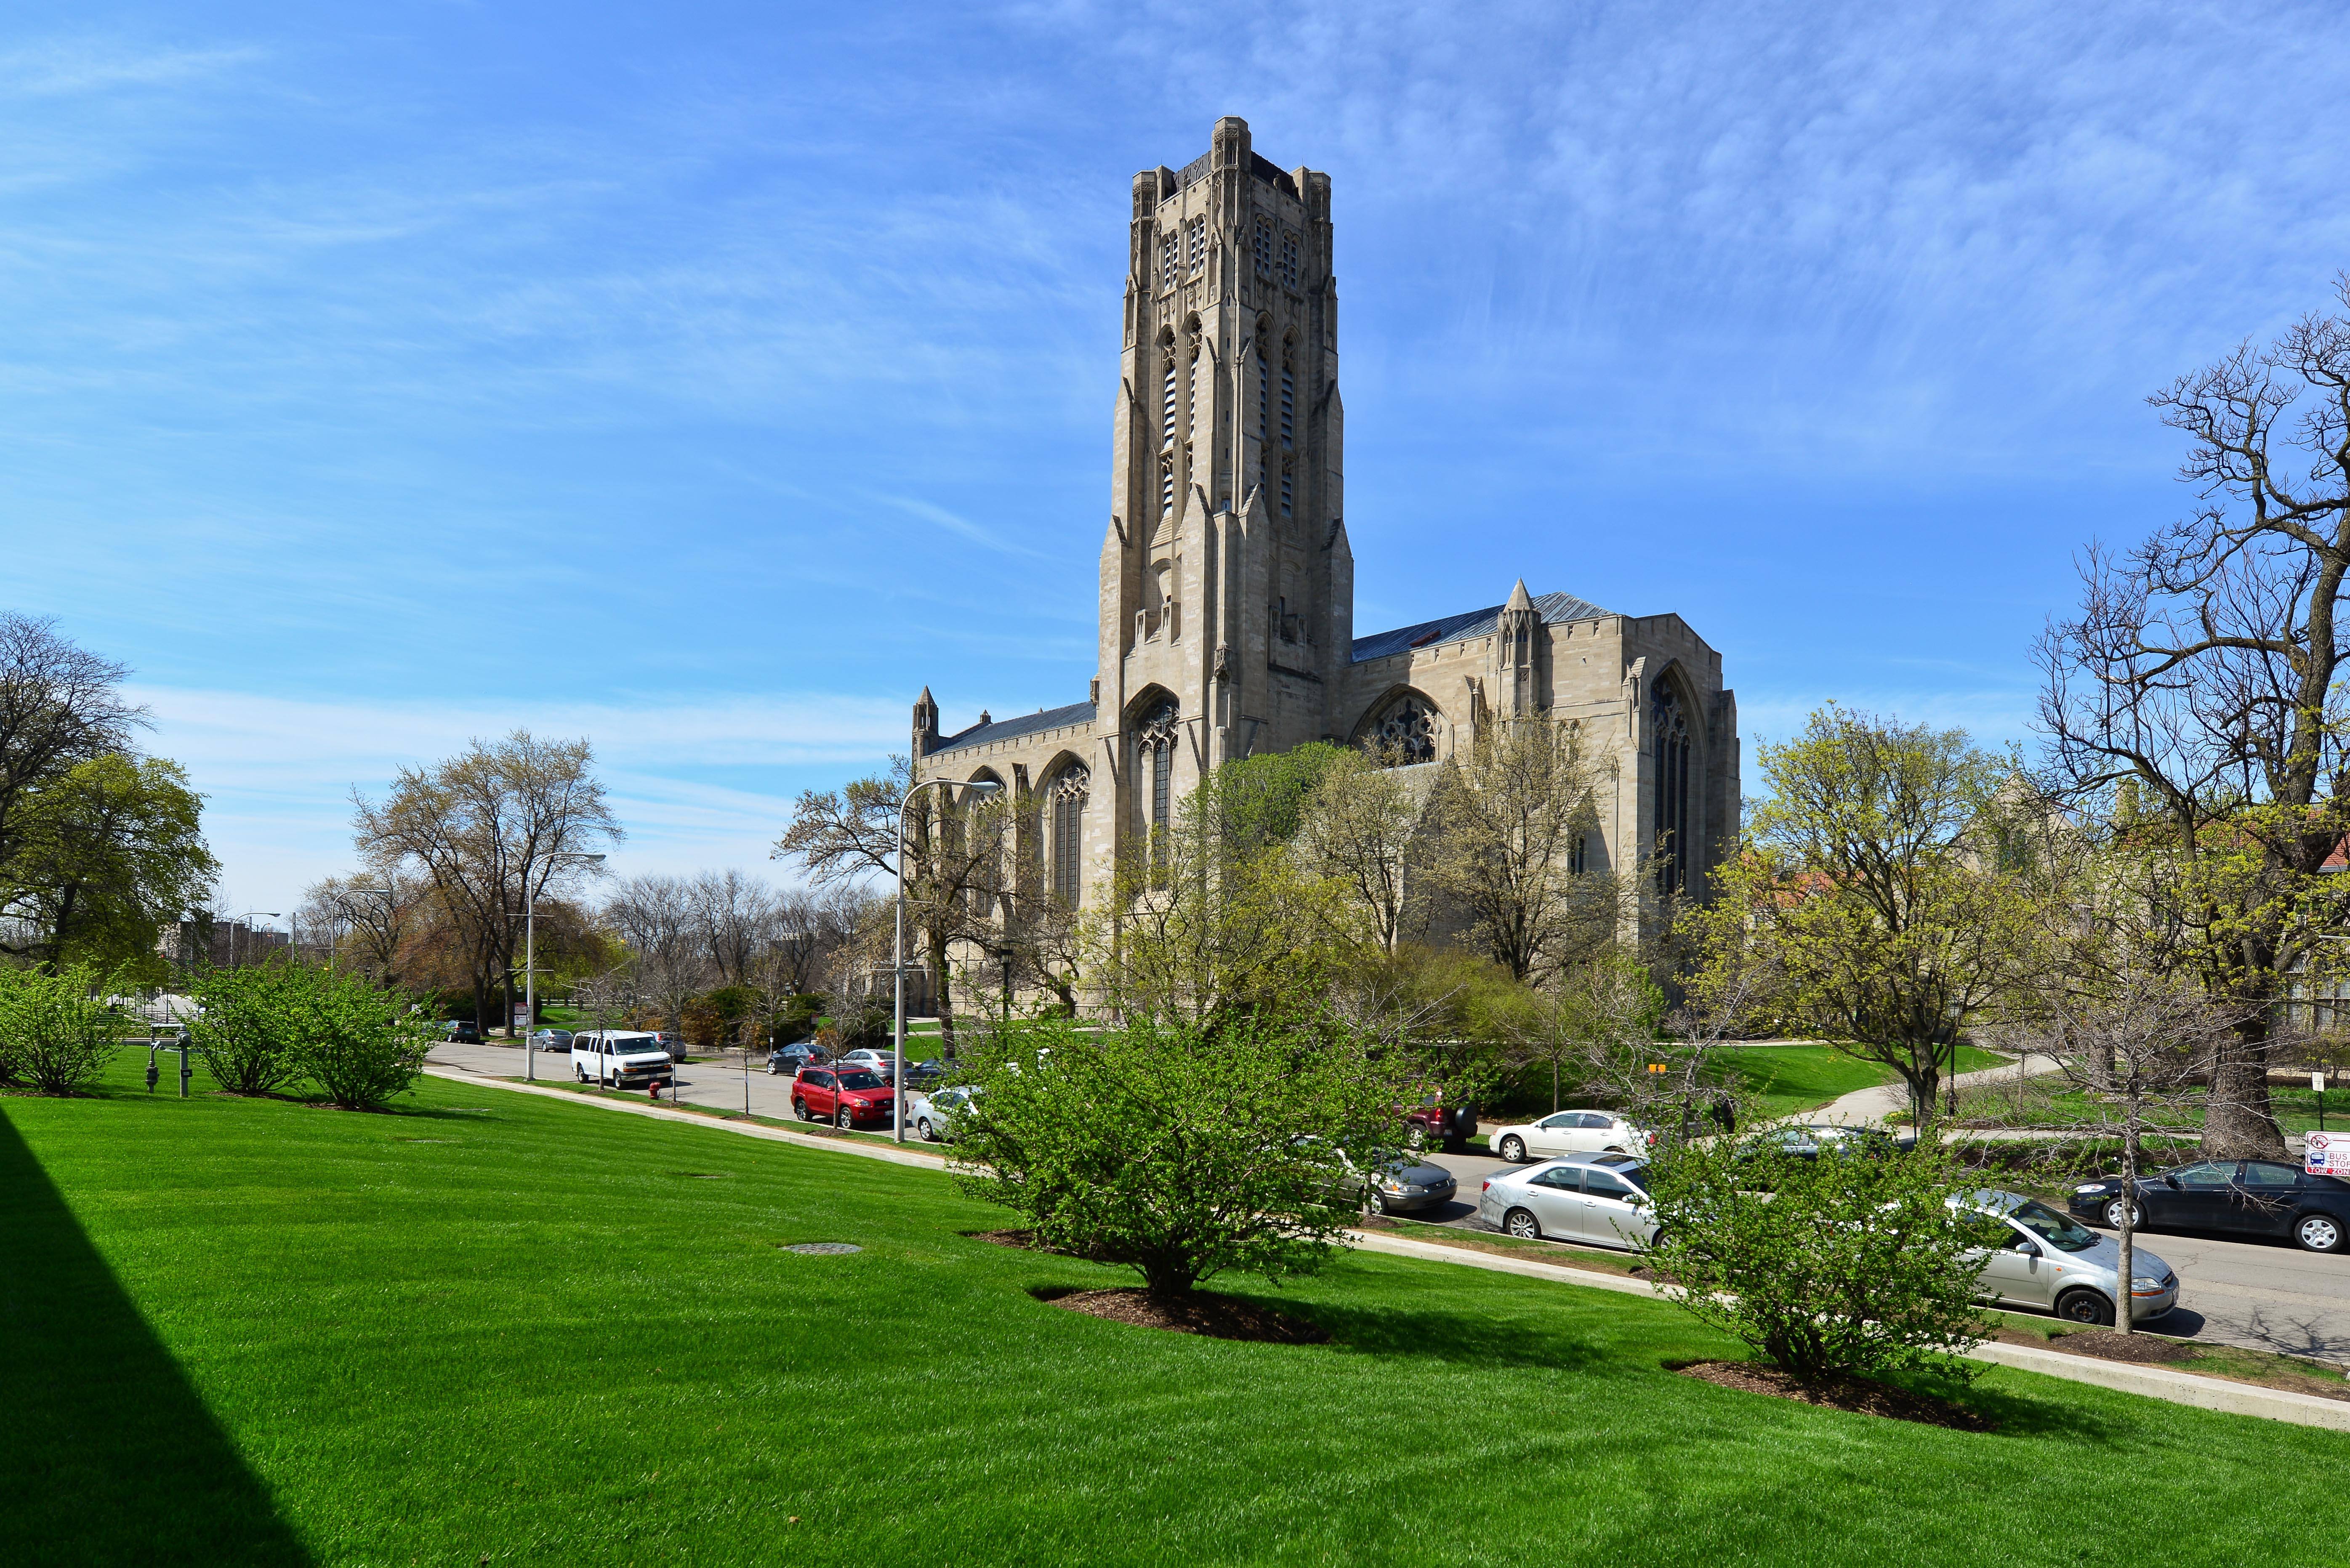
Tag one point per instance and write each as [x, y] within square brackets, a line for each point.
[1227, 584]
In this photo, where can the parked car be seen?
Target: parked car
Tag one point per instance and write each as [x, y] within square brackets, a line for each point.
[2247, 1198]
[934, 1115]
[1569, 1132]
[1601, 1199]
[621, 1059]
[551, 1040]
[1434, 1121]
[843, 1096]
[788, 1060]
[674, 1044]
[2041, 1259]
[460, 1032]
[883, 1062]
[1808, 1140]
[923, 1075]
[1407, 1186]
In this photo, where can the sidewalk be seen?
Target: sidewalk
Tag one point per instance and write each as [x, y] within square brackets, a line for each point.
[1870, 1108]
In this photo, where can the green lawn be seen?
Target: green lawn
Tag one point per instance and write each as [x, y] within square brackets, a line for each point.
[2295, 1108]
[1792, 1079]
[494, 1326]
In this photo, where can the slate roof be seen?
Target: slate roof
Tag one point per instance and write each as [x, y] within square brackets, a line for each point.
[1556, 610]
[1012, 729]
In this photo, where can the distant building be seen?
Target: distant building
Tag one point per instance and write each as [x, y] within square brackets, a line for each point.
[233, 943]
[1227, 584]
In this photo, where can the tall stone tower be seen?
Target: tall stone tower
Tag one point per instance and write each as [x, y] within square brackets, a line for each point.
[1227, 585]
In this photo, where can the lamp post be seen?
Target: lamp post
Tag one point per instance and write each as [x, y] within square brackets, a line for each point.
[982, 788]
[530, 959]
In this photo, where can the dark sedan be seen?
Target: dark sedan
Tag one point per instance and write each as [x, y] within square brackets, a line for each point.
[2243, 1198]
[1808, 1141]
[786, 1061]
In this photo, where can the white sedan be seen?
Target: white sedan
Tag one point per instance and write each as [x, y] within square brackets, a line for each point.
[1600, 1199]
[934, 1115]
[1569, 1132]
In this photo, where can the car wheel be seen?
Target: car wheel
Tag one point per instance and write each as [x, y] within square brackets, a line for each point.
[2085, 1306]
[1415, 1137]
[2318, 1233]
[841, 1118]
[2113, 1216]
[1375, 1201]
[578, 1071]
[799, 1109]
[922, 1125]
[1514, 1149]
[1522, 1223]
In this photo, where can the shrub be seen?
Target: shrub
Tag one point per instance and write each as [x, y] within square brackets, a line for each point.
[359, 1043]
[1179, 1151]
[1848, 1265]
[58, 1028]
[248, 1026]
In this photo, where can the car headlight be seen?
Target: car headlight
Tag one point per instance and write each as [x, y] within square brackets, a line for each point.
[2090, 1187]
[2147, 1287]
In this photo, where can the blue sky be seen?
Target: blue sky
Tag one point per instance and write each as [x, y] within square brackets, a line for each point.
[706, 379]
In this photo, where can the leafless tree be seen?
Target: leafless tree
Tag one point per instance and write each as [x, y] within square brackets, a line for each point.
[366, 918]
[1505, 818]
[2133, 1049]
[2204, 668]
[954, 853]
[489, 829]
[737, 920]
[659, 918]
[1359, 826]
[59, 706]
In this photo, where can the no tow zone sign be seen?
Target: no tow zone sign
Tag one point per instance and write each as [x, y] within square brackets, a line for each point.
[2327, 1154]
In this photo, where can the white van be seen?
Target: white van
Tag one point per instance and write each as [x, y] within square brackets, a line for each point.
[621, 1058]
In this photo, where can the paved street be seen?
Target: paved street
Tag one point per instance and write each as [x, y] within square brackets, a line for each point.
[720, 1086]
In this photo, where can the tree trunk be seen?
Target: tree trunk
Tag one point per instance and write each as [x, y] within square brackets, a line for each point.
[2239, 1122]
[934, 942]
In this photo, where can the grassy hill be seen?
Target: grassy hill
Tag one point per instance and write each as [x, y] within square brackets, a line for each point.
[494, 1327]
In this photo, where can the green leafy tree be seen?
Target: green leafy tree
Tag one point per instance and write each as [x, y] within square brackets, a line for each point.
[1357, 829]
[359, 1043]
[249, 1024]
[1864, 892]
[1179, 1150]
[58, 1027]
[107, 853]
[1844, 1266]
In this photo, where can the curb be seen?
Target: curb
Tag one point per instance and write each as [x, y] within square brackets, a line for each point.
[2152, 1382]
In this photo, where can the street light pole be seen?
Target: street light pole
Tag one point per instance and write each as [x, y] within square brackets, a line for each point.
[982, 788]
[530, 961]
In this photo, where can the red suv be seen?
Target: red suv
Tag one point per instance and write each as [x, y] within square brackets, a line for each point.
[841, 1096]
[1434, 1121]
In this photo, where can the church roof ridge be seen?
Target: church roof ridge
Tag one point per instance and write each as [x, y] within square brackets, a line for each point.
[1012, 729]
[1556, 610]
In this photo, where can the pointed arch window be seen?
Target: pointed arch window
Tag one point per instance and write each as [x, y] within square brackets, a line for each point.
[1674, 848]
[1289, 258]
[1198, 388]
[1262, 243]
[1066, 843]
[1167, 401]
[1288, 401]
[1155, 760]
[1195, 244]
[1171, 259]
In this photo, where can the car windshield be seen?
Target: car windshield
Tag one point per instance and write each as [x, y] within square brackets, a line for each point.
[2053, 1227]
[860, 1080]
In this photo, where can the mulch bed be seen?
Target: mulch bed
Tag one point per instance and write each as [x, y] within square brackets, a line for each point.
[1217, 1317]
[2146, 1349]
[1857, 1395]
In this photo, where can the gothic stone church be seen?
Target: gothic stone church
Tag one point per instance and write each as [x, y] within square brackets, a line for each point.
[1228, 588]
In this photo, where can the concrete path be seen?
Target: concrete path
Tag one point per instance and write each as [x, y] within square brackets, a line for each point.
[1870, 1108]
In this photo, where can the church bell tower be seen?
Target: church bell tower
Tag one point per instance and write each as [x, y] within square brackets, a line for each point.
[1227, 584]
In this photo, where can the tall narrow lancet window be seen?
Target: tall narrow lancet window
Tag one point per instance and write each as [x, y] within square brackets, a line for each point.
[1199, 387]
[1195, 241]
[1068, 833]
[1155, 760]
[1673, 848]
[1288, 402]
[1170, 260]
[977, 828]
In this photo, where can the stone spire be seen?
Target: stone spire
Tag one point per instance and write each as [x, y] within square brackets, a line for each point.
[926, 723]
[1516, 634]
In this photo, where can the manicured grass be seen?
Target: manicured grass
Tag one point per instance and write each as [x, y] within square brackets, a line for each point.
[505, 1326]
[2295, 1108]
[1792, 1079]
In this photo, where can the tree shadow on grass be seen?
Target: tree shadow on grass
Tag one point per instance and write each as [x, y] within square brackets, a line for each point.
[114, 1458]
